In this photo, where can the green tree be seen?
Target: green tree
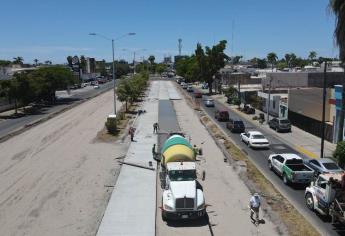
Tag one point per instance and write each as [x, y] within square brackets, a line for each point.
[272, 59]
[262, 63]
[36, 62]
[83, 63]
[151, 59]
[18, 60]
[160, 68]
[281, 65]
[49, 79]
[236, 59]
[312, 56]
[69, 61]
[339, 153]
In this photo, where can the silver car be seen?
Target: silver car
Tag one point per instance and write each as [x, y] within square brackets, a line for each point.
[324, 165]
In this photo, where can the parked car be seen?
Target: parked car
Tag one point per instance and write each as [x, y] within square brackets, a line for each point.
[323, 166]
[197, 95]
[204, 86]
[280, 124]
[96, 86]
[254, 139]
[184, 86]
[221, 115]
[235, 126]
[291, 167]
[190, 89]
[209, 102]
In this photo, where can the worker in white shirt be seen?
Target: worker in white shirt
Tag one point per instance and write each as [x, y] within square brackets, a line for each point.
[254, 204]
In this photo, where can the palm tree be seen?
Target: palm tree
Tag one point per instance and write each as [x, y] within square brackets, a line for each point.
[18, 60]
[338, 9]
[312, 56]
[36, 61]
[272, 58]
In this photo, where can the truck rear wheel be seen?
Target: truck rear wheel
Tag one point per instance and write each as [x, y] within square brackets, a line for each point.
[309, 201]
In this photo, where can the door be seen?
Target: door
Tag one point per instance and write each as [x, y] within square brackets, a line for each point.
[277, 162]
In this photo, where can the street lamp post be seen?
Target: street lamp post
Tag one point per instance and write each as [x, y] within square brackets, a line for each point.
[113, 54]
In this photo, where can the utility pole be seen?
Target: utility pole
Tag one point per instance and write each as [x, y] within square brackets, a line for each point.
[114, 84]
[239, 92]
[323, 111]
[269, 101]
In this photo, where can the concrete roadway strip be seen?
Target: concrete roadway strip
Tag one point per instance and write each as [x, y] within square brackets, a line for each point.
[48, 117]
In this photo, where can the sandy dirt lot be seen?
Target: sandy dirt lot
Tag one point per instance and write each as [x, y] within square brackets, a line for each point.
[53, 176]
[224, 191]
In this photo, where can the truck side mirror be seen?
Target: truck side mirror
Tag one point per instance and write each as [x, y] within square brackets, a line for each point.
[203, 175]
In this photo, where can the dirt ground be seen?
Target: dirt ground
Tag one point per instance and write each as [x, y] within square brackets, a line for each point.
[56, 178]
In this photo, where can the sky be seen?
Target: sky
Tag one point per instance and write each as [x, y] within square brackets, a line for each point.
[52, 30]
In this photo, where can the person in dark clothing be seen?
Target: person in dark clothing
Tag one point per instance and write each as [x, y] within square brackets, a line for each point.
[131, 132]
[155, 128]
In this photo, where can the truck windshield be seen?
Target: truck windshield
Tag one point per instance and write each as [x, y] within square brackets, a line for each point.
[182, 175]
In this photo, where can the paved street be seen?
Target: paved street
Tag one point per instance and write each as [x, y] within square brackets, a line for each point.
[10, 125]
[54, 177]
[295, 194]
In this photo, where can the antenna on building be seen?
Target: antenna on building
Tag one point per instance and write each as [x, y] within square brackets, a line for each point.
[179, 46]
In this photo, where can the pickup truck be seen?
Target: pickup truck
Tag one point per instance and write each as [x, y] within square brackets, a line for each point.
[291, 167]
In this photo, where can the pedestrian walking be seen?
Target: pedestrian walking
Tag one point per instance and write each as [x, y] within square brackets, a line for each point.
[255, 204]
[155, 128]
[131, 132]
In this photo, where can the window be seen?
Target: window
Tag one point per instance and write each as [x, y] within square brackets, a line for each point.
[321, 183]
[315, 163]
[182, 175]
[279, 158]
[330, 166]
[274, 104]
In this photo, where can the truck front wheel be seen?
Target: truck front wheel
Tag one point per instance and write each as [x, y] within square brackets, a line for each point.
[285, 179]
[309, 201]
[164, 217]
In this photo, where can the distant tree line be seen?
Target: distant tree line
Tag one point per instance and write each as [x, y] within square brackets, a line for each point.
[36, 86]
[204, 64]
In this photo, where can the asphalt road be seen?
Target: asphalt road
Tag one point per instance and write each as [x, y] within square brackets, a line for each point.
[295, 194]
[10, 125]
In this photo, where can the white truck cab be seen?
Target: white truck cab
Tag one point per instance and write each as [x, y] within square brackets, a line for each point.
[326, 195]
[182, 199]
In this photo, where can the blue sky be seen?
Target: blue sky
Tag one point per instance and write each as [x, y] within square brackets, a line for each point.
[51, 30]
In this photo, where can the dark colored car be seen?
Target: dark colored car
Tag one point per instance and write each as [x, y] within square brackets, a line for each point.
[197, 95]
[235, 126]
[280, 124]
[221, 115]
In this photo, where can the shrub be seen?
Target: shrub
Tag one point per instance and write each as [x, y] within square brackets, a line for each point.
[339, 153]
[111, 126]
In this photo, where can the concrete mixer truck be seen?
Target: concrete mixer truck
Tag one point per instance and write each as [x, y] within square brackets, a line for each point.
[182, 197]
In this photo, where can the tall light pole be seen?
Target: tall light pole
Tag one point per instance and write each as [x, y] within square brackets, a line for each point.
[113, 53]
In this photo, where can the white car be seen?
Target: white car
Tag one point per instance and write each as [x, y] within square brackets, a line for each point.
[254, 139]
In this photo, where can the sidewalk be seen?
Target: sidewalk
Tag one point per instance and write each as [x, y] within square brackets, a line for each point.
[132, 207]
[298, 139]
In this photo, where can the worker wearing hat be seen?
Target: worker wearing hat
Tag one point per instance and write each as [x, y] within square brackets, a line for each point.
[254, 204]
